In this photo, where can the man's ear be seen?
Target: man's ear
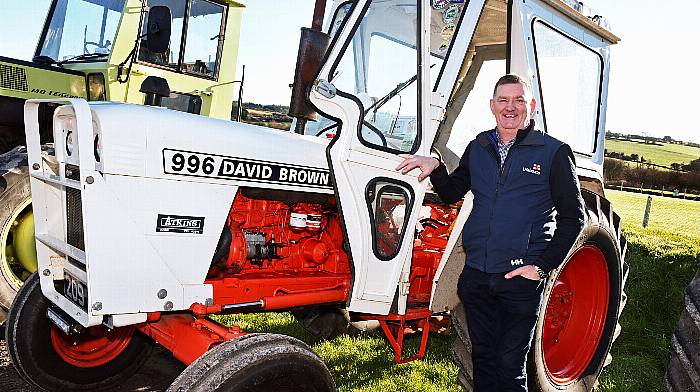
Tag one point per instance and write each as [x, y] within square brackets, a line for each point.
[493, 109]
[533, 106]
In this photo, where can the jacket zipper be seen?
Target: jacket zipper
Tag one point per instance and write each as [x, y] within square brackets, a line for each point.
[499, 183]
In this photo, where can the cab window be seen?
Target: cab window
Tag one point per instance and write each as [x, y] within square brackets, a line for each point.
[201, 27]
[570, 77]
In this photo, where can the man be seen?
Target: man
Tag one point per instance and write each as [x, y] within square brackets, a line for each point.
[527, 213]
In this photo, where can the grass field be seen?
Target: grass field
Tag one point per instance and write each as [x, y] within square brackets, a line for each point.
[661, 260]
[664, 155]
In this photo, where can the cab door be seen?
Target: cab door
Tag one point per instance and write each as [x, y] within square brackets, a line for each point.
[376, 85]
[566, 57]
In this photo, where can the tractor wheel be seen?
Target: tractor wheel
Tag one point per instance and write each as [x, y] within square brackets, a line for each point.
[683, 374]
[578, 320]
[324, 322]
[98, 359]
[257, 363]
[17, 249]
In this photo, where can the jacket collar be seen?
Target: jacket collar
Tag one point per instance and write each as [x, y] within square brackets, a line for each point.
[525, 137]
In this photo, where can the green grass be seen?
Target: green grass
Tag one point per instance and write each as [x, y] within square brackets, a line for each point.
[664, 155]
[366, 362]
[661, 260]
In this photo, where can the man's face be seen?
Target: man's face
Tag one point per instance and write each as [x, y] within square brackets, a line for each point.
[511, 108]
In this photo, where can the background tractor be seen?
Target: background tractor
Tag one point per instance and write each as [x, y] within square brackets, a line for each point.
[104, 50]
[144, 230]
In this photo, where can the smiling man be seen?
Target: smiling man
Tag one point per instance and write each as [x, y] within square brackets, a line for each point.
[527, 213]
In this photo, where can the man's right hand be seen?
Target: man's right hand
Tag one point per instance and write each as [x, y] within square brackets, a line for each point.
[425, 164]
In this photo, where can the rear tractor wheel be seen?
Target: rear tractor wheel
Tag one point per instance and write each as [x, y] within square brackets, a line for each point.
[578, 320]
[97, 359]
[683, 373]
[17, 248]
[257, 363]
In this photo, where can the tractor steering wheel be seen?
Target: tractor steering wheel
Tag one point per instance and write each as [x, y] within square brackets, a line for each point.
[97, 46]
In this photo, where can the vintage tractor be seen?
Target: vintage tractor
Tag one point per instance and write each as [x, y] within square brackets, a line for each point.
[105, 50]
[150, 220]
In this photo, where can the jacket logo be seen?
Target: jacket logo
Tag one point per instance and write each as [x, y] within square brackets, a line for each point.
[536, 169]
[516, 262]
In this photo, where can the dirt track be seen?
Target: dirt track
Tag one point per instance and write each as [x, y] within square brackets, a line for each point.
[156, 375]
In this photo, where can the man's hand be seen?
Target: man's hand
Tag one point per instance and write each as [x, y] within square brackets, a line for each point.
[526, 271]
[425, 164]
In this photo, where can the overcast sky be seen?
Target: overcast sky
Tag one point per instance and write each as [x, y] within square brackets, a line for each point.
[654, 87]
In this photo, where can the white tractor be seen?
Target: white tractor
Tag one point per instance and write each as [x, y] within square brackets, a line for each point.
[148, 220]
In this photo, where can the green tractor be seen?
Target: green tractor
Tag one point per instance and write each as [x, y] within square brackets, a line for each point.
[179, 54]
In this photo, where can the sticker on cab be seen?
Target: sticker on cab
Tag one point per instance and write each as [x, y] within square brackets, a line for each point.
[450, 13]
[439, 4]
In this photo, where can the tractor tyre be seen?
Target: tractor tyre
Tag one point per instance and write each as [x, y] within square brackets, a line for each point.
[462, 348]
[329, 322]
[17, 252]
[257, 363]
[683, 372]
[96, 360]
[581, 306]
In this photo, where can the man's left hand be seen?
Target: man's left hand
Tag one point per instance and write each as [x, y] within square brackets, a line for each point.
[526, 271]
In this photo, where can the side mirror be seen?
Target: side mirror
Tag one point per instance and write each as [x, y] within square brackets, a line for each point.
[158, 28]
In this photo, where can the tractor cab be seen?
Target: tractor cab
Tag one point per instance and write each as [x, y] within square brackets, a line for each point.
[107, 48]
[399, 73]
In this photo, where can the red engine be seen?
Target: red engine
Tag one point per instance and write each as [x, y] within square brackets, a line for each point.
[281, 250]
[284, 249]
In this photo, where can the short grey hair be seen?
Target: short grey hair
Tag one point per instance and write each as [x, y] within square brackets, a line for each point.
[514, 79]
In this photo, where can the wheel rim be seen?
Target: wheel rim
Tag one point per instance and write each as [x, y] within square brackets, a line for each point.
[95, 347]
[575, 315]
[18, 252]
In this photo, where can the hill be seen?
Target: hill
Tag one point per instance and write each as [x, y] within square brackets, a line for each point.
[658, 153]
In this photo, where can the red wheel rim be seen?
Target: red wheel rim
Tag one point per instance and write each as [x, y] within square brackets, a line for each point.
[575, 315]
[96, 347]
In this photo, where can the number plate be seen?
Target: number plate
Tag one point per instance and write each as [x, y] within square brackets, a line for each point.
[75, 290]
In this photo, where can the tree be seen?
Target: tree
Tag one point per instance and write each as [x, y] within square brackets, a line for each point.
[695, 166]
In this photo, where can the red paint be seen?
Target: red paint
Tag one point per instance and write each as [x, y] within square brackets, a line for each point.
[97, 346]
[188, 337]
[575, 315]
[396, 327]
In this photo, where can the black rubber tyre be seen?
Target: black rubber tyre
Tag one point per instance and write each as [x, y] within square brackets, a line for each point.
[28, 340]
[257, 363]
[683, 373]
[14, 201]
[324, 322]
[602, 231]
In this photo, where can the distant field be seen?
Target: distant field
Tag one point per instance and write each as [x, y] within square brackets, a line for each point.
[664, 155]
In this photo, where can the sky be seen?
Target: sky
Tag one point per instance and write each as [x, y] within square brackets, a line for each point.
[652, 86]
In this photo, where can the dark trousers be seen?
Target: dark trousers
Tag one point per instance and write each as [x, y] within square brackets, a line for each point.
[501, 315]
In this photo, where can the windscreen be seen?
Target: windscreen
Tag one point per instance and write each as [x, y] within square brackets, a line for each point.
[81, 27]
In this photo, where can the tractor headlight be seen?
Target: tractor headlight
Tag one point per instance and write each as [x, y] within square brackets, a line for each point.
[96, 87]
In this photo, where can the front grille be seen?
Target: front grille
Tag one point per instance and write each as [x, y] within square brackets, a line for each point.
[13, 78]
[74, 215]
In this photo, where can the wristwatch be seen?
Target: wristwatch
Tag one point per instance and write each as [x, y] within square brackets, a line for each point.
[541, 273]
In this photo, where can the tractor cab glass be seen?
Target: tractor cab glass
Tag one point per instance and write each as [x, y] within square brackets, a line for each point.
[379, 67]
[200, 25]
[80, 29]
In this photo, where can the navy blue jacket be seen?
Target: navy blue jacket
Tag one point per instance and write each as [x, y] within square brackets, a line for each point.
[530, 212]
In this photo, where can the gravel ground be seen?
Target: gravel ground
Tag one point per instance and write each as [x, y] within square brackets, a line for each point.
[155, 376]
